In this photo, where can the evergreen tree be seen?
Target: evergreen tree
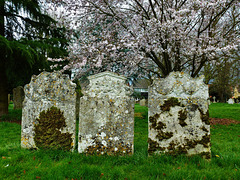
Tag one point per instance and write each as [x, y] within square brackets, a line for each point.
[27, 37]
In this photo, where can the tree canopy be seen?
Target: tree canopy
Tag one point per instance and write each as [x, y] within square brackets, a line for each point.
[154, 36]
[27, 37]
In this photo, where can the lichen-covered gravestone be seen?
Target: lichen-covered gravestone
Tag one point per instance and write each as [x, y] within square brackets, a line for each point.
[143, 102]
[48, 116]
[18, 97]
[106, 120]
[178, 116]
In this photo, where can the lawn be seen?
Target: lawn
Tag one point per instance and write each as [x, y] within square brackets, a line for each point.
[17, 163]
[224, 110]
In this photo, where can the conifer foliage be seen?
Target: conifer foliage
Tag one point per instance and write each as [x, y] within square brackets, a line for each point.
[27, 37]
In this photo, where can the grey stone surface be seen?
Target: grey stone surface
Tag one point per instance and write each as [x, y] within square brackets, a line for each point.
[178, 116]
[43, 92]
[230, 101]
[106, 120]
[18, 97]
[143, 102]
[214, 99]
[209, 102]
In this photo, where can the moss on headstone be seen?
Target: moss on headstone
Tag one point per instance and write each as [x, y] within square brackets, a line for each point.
[164, 135]
[154, 146]
[171, 102]
[204, 117]
[153, 120]
[182, 116]
[48, 133]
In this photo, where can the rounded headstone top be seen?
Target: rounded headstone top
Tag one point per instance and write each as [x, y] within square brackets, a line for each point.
[109, 74]
[180, 84]
[107, 84]
[50, 86]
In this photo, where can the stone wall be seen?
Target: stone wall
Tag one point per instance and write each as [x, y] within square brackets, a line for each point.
[178, 116]
[45, 91]
[18, 97]
[106, 117]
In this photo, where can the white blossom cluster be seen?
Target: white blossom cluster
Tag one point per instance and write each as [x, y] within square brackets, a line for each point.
[157, 36]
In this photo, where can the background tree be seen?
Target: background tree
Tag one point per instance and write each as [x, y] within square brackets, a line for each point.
[224, 71]
[27, 37]
[157, 36]
[222, 83]
[222, 76]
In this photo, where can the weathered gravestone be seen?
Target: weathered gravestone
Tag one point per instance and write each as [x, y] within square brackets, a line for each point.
[178, 116]
[18, 97]
[9, 99]
[106, 120]
[48, 116]
[230, 101]
[214, 99]
[209, 102]
[143, 102]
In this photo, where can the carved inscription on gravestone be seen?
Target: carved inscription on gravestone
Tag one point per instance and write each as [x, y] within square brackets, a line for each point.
[47, 94]
[18, 97]
[106, 120]
[178, 116]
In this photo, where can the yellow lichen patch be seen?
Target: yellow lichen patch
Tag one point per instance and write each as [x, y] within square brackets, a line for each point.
[24, 139]
[139, 115]
[25, 143]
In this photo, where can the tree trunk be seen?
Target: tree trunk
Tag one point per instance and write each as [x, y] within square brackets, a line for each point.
[3, 91]
[2, 14]
[3, 76]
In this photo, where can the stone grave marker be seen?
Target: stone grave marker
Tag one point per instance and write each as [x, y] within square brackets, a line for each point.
[230, 101]
[9, 99]
[209, 102]
[143, 102]
[178, 116]
[106, 120]
[214, 99]
[49, 96]
[18, 97]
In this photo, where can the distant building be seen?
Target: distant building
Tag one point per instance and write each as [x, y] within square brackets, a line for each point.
[141, 86]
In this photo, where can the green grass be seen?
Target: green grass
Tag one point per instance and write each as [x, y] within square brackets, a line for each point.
[224, 110]
[13, 114]
[17, 163]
